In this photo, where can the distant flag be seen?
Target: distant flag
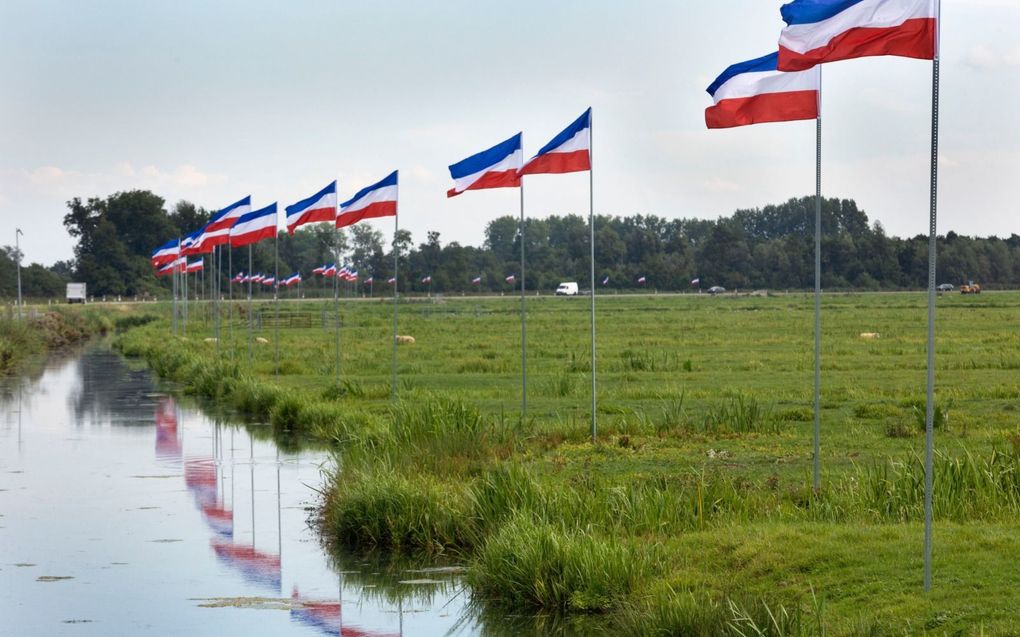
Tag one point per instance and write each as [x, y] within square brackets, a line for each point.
[695, 282]
[196, 266]
[257, 278]
[189, 244]
[568, 152]
[169, 268]
[269, 280]
[496, 167]
[218, 231]
[369, 281]
[427, 279]
[319, 270]
[292, 279]
[255, 226]
[605, 281]
[511, 278]
[319, 207]
[352, 275]
[642, 280]
[165, 253]
[330, 270]
[392, 280]
[756, 92]
[820, 31]
[372, 202]
[477, 280]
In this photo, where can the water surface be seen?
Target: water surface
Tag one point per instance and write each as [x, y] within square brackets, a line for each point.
[125, 511]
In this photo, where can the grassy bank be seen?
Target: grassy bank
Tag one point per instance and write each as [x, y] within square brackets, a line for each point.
[49, 328]
[693, 515]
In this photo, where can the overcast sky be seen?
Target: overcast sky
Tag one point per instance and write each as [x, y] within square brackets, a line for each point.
[210, 101]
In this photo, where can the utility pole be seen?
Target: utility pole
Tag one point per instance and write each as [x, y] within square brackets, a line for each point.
[17, 250]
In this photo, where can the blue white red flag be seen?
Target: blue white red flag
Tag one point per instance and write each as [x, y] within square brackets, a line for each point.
[292, 279]
[195, 266]
[511, 278]
[391, 280]
[352, 275]
[756, 92]
[257, 278]
[497, 167]
[330, 270]
[319, 270]
[165, 253]
[322, 206]
[217, 231]
[269, 280]
[372, 202]
[169, 268]
[642, 280]
[695, 282]
[369, 281]
[820, 31]
[427, 279]
[605, 281]
[238, 278]
[477, 280]
[568, 152]
[255, 226]
[190, 244]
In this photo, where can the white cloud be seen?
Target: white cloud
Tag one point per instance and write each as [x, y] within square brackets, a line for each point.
[986, 58]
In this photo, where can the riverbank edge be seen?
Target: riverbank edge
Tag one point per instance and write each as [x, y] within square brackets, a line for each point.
[58, 327]
[520, 563]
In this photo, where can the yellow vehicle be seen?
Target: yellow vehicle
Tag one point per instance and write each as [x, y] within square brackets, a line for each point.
[970, 288]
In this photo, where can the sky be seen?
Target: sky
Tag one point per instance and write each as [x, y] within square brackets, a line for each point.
[210, 101]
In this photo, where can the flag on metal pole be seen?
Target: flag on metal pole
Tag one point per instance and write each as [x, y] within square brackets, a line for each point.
[820, 31]
[571, 151]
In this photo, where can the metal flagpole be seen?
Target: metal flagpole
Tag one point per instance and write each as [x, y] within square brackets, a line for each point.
[251, 316]
[230, 296]
[396, 295]
[524, 328]
[173, 287]
[336, 302]
[217, 264]
[818, 290]
[276, 297]
[185, 287]
[17, 252]
[591, 241]
[929, 424]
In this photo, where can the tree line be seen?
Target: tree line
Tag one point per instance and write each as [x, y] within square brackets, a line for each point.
[761, 248]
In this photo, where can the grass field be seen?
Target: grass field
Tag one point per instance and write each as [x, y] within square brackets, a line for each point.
[693, 514]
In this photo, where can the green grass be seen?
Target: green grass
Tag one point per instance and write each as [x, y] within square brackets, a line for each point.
[43, 329]
[693, 515]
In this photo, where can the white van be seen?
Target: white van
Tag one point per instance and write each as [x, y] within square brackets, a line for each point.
[568, 288]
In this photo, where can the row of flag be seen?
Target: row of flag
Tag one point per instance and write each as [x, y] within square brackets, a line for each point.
[238, 225]
[786, 85]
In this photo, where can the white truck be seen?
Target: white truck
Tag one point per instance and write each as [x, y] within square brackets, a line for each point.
[567, 288]
[76, 293]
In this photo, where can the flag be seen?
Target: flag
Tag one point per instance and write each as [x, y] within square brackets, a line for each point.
[269, 280]
[369, 281]
[330, 270]
[257, 278]
[165, 253]
[319, 207]
[189, 244]
[292, 279]
[642, 280]
[496, 167]
[477, 280]
[218, 231]
[427, 279]
[255, 226]
[196, 266]
[820, 31]
[391, 280]
[695, 282]
[352, 275]
[372, 202]
[568, 152]
[319, 270]
[510, 279]
[605, 281]
[167, 269]
[756, 92]
[238, 278]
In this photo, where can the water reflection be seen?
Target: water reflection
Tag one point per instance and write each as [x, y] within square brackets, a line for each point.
[183, 524]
